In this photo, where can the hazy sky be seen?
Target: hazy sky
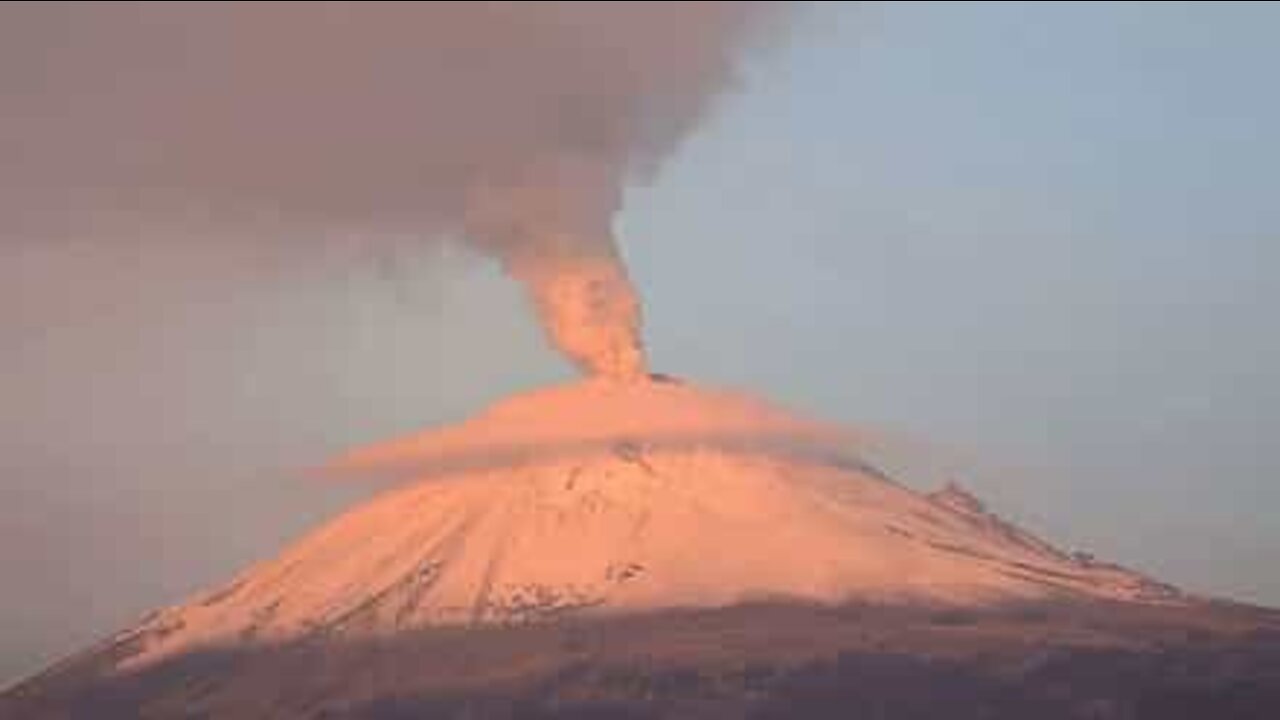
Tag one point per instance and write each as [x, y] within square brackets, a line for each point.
[1042, 238]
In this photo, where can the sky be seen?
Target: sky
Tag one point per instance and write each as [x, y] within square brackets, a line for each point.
[1039, 240]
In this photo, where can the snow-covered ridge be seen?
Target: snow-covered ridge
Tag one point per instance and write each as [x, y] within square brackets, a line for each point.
[624, 498]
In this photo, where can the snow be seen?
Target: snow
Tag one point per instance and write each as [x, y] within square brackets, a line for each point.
[600, 497]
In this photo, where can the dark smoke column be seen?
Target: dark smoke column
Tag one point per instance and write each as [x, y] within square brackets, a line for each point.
[552, 233]
[510, 126]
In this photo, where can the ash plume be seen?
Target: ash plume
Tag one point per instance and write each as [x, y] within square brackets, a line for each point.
[511, 127]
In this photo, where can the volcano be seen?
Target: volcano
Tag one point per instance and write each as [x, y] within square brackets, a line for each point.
[601, 505]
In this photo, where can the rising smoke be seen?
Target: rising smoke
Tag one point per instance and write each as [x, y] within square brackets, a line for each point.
[512, 127]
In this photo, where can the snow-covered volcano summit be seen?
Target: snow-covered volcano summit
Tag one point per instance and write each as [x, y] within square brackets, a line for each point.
[600, 497]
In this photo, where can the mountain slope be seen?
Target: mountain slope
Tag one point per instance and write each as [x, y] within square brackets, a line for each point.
[1065, 659]
[660, 550]
[597, 498]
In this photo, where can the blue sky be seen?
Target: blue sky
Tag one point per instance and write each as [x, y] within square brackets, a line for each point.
[1040, 239]
[1041, 235]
